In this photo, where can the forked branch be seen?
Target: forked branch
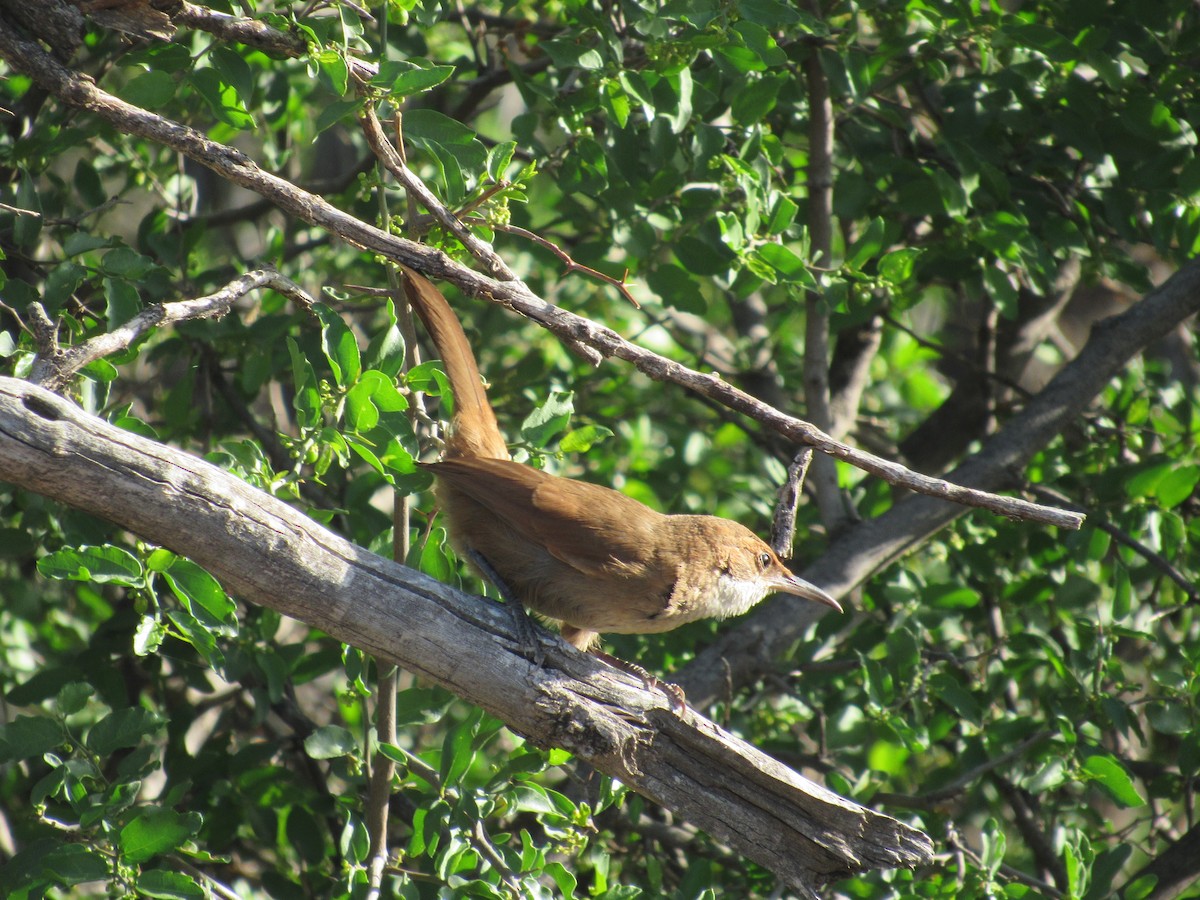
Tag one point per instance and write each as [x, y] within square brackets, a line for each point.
[74, 89]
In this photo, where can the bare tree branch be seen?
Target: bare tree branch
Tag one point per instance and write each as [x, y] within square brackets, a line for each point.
[742, 654]
[77, 90]
[269, 553]
[783, 528]
[54, 366]
[1171, 871]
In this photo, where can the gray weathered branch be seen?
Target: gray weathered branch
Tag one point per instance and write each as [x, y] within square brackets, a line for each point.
[270, 554]
[55, 365]
[740, 654]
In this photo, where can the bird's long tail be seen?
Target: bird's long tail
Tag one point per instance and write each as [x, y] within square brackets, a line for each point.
[473, 428]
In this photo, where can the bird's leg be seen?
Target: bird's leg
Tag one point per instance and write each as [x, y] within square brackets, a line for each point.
[526, 628]
[650, 682]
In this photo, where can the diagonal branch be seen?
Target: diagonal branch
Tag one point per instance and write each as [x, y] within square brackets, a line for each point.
[271, 554]
[743, 654]
[77, 90]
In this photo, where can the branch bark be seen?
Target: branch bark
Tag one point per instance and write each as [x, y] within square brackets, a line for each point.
[595, 340]
[268, 553]
[817, 404]
[1170, 872]
[55, 366]
[745, 653]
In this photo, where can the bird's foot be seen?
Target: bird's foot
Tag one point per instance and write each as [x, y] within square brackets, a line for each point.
[650, 682]
[523, 623]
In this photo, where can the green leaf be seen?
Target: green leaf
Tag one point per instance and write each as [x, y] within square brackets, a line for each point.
[75, 864]
[222, 98]
[198, 635]
[789, 266]
[1170, 717]
[156, 830]
[499, 158]
[564, 880]
[26, 737]
[783, 213]
[581, 440]
[337, 111]
[102, 565]
[361, 412]
[1177, 485]
[993, 845]
[1113, 778]
[150, 90]
[73, 697]
[307, 399]
[334, 67]
[541, 425]
[897, 266]
[868, 245]
[355, 842]
[451, 171]
[200, 593]
[1141, 888]
[948, 596]
[752, 103]
[149, 635]
[771, 13]
[122, 728]
[950, 691]
[568, 54]
[234, 71]
[616, 102]
[418, 79]
[429, 378]
[434, 560]
[385, 351]
[430, 125]
[164, 885]
[340, 346]
[458, 749]
[330, 742]
[761, 42]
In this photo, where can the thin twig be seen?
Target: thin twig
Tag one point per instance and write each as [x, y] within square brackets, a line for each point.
[783, 529]
[221, 890]
[572, 266]
[1153, 557]
[391, 160]
[54, 365]
[957, 844]
[1031, 830]
[933, 799]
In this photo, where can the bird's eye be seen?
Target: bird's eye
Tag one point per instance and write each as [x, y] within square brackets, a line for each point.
[764, 559]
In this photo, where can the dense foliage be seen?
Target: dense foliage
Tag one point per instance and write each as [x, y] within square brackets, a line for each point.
[1002, 178]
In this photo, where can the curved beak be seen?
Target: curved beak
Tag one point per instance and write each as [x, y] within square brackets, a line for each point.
[787, 583]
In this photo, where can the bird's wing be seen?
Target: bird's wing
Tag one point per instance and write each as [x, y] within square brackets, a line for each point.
[594, 529]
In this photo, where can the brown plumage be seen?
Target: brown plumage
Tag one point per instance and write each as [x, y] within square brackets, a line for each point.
[584, 555]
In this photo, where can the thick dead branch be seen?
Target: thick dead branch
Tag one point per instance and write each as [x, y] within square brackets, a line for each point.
[77, 90]
[744, 653]
[268, 553]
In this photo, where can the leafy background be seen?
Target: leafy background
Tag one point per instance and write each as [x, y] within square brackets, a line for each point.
[1003, 178]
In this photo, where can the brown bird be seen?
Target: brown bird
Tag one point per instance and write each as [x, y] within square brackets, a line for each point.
[584, 555]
